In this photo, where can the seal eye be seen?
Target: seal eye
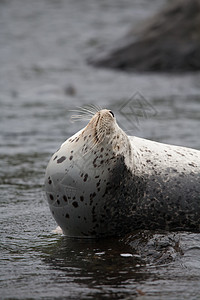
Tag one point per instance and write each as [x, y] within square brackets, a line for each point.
[111, 113]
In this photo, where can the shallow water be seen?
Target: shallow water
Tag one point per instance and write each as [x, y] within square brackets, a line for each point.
[43, 75]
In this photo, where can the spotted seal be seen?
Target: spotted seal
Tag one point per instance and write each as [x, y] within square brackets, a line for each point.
[102, 182]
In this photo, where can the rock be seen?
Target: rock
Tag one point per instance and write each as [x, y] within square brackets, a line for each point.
[168, 42]
[154, 247]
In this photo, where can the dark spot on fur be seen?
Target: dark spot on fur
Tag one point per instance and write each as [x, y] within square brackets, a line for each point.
[75, 204]
[180, 153]
[81, 198]
[65, 198]
[58, 201]
[55, 157]
[52, 212]
[192, 164]
[61, 159]
[67, 216]
[71, 157]
[85, 177]
[94, 161]
[51, 197]
[92, 195]
[102, 149]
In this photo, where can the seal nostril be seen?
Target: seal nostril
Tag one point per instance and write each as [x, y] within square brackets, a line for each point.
[111, 113]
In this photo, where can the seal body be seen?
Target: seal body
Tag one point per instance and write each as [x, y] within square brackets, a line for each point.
[102, 182]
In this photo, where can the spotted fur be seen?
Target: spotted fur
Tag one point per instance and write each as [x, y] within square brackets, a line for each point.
[102, 182]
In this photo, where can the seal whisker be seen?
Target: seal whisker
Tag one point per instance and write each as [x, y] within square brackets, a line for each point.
[88, 109]
[83, 114]
[83, 111]
[95, 108]
[79, 117]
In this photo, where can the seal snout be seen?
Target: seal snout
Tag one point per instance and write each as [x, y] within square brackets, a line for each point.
[106, 119]
[101, 125]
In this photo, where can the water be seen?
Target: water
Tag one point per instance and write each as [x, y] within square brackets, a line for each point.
[44, 74]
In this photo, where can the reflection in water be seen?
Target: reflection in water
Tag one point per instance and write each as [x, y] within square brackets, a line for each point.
[134, 265]
[107, 264]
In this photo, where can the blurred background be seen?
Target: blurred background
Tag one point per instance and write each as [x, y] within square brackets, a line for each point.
[50, 63]
[44, 54]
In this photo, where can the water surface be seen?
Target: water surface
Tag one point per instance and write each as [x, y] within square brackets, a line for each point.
[44, 74]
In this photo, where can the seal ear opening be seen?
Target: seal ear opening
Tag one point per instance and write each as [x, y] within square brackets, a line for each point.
[110, 111]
